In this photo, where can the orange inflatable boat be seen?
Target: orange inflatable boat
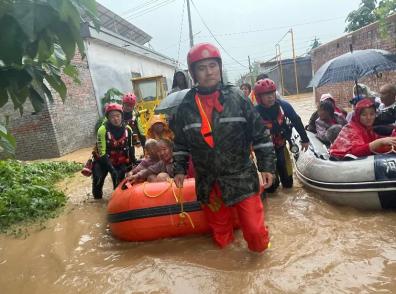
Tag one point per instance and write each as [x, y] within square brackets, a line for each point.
[150, 211]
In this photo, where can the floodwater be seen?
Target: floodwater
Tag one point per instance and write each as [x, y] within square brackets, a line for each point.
[316, 248]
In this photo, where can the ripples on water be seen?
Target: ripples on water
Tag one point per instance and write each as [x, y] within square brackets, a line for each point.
[316, 247]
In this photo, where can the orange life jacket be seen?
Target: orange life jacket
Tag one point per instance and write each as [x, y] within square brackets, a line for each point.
[277, 138]
[206, 129]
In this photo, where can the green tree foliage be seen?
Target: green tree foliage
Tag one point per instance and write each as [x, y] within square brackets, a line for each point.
[384, 9]
[38, 41]
[361, 17]
[369, 12]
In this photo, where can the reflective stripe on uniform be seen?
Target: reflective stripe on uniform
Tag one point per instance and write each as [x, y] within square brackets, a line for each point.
[232, 119]
[181, 153]
[263, 145]
[192, 126]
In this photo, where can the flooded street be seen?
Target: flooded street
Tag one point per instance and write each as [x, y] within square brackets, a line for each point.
[316, 248]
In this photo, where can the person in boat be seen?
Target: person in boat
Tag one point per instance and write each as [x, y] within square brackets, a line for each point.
[385, 121]
[337, 110]
[332, 133]
[151, 152]
[278, 116]
[114, 150]
[159, 129]
[131, 118]
[327, 118]
[217, 125]
[160, 171]
[180, 81]
[362, 91]
[358, 138]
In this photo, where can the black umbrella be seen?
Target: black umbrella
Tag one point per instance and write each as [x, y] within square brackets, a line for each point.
[170, 103]
[354, 65]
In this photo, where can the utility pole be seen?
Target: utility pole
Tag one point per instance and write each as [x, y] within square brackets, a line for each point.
[190, 24]
[294, 58]
[279, 61]
[251, 73]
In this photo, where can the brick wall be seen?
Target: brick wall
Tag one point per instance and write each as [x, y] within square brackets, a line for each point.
[61, 127]
[34, 133]
[74, 120]
[364, 38]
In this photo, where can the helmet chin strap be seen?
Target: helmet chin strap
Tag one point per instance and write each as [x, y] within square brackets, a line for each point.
[209, 90]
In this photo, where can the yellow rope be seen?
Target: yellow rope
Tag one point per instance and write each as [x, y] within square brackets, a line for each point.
[178, 199]
[159, 194]
[183, 214]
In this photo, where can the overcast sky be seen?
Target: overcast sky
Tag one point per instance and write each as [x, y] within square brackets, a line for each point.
[243, 28]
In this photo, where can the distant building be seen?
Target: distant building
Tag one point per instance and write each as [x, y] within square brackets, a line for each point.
[115, 54]
[276, 70]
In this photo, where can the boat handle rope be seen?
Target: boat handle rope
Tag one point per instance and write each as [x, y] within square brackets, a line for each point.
[183, 214]
[178, 198]
[156, 195]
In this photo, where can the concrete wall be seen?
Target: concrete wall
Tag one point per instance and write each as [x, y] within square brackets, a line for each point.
[112, 67]
[364, 38]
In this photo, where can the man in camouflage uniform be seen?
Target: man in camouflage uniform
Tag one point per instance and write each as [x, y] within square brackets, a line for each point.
[217, 126]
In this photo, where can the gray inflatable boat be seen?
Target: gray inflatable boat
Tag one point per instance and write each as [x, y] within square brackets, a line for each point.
[368, 182]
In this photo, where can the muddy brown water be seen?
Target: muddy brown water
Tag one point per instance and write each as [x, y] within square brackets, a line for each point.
[316, 248]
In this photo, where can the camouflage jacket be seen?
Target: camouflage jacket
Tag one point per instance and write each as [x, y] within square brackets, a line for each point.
[235, 130]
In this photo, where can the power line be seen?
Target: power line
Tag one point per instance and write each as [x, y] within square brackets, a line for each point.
[150, 9]
[137, 7]
[181, 30]
[259, 30]
[210, 32]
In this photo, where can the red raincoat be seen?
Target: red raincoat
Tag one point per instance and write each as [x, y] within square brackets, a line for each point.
[354, 138]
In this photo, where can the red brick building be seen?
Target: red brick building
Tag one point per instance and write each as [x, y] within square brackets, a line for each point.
[364, 38]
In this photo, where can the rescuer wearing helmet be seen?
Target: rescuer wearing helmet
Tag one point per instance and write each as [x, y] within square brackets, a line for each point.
[115, 150]
[217, 125]
[131, 117]
[279, 117]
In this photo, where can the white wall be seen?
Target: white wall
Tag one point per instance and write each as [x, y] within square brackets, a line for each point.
[111, 67]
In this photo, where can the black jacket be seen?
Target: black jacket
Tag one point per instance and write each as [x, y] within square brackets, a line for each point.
[235, 130]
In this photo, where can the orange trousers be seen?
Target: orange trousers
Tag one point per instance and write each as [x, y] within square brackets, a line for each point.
[251, 218]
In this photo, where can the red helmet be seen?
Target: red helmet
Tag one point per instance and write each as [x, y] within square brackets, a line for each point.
[129, 98]
[264, 86]
[200, 52]
[111, 107]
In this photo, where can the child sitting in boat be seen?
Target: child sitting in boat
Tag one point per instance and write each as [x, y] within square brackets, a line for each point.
[327, 118]
[151, 156]
[160, 171]
[358, 138]
[337, 110]
[159, 129]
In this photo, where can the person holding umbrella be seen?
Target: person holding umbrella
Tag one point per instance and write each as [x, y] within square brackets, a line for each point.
[217, 125]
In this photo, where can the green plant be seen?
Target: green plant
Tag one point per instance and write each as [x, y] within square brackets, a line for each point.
[369, 12]
[27, 191]
[112, 95]
[38, 41]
